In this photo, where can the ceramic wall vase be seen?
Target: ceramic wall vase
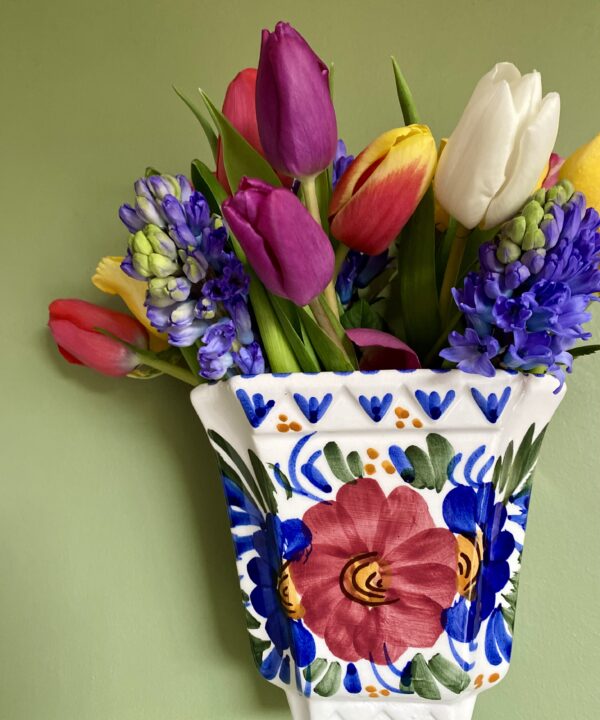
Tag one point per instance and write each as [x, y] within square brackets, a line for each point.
[378, 521]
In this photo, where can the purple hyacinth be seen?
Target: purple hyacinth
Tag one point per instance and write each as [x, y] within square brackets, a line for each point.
[533, 290]
[197, 289]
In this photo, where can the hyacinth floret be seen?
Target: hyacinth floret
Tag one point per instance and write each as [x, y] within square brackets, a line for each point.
[197, 290]
[531, 296]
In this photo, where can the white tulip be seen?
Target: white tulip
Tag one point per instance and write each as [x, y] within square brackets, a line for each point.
[498, 151]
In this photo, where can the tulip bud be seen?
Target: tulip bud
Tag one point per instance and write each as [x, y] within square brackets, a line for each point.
[381, 189]
[287, 248]
[296, 118]
[499, 148]
[74, 326]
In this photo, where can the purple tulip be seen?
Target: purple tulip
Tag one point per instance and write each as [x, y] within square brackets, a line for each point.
[286, 247]
[296, 119]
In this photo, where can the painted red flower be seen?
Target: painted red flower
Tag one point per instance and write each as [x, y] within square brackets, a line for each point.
[379, 574]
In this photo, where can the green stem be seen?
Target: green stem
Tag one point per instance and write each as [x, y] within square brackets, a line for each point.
[312, 205]
[190, 355]
[168, 369]
[325, 324]
[455, 257]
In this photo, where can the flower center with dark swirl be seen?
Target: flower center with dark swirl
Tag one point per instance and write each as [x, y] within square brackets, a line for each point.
[366, 579]
[288, 595]
[470, 554]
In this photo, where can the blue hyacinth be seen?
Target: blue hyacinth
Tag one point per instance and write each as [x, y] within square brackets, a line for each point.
[526, 307]
[197, 288]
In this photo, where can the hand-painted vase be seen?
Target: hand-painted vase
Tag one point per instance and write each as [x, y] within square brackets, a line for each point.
[378, 522]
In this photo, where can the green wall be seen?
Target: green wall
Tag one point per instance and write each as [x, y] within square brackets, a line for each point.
[118, 595]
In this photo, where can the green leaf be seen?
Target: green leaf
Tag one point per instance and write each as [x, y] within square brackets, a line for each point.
[407, 103]
[521, 473]
[331, 681]
[470, 258]
[251, 622]
[239, 157]
[361, 315]
[506, 465]
[442, 253]
[355, 464]
[315, 669]
[336, 462]
[511, 598]
[449, 674]
[583, 350]
[205, 181]
[264, 482]
[424, 473]
[258, 647]
[423, 680]
[441, 453]
[414, 288]
[330, 355]
[209, 132]
[151, 171]
[306, 357]
[339, 330]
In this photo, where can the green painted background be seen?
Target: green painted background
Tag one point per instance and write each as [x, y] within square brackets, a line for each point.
[118, 595]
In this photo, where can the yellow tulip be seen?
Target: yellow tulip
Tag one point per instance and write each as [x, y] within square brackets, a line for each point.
[110, 279]
[582, 168]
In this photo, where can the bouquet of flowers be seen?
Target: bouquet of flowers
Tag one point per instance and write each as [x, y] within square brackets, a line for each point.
[292, 255]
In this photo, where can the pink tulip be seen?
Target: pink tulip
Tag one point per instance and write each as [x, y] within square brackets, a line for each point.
[74, 326]
[382, 351]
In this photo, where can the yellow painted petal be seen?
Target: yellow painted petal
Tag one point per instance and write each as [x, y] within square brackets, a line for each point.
[110, 279]
[582, 168]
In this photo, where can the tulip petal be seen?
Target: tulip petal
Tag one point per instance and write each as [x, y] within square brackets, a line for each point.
[381, 189]
[92, 349]
[582, 168]
[464, 185]
[523, 171]
[382, 351]
[110, 279]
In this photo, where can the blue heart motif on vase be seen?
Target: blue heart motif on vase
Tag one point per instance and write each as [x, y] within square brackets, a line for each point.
[256, 408]
[313, 409]
[433, 404]
[375, 407]
[491, 406]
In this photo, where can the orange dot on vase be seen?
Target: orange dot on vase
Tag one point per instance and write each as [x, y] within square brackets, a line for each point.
[296, 427]
[370, 469]
[478, 682]
[494, 677]
[282, 427]
[400, 424]
[402, 413]
[388, 467]
[370, 688]
[417, 423]
[372, 453]
[283, 418]
[373, 695]
[384, 692]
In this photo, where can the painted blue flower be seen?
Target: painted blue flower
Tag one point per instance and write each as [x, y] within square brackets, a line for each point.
[313, 408]
[474, 516]
[376, 407]
[491, 406]
[255, 407]
[433, 404]
[274, 597]
[498, 641]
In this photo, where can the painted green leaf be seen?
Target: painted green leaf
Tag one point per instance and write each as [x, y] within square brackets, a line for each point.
[245, 597]
[511, 598]
[209, 132]
[423, 680]
[204, 180]
[315, 669]
[355, 464]
[441, 453]
[361, 315]
[330, 355]
[251, 622]
[449, 674]
[331, 681]
[258, 647]
[336, 462]
[302, 350]
[423, 469]
[239, 157]
[521, 474]
[506, 465]
[264, 482]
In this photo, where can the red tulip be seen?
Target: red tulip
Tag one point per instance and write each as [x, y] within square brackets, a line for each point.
[382, 188]
[382, 351]
[74, 326]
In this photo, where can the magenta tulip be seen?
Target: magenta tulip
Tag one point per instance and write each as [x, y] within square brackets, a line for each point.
[382, 351]
[74, 326]
[287, 248]
[296, 119]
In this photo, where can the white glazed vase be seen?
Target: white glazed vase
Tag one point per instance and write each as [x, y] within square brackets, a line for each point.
[378, 521]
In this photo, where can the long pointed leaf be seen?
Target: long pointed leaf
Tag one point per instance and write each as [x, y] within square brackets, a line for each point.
[327, 351]
[307, 360]
[210, 134]
[204, 180]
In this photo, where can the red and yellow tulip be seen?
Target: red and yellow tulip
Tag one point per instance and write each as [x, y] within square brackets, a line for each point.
[582, 168]
[382, 187]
